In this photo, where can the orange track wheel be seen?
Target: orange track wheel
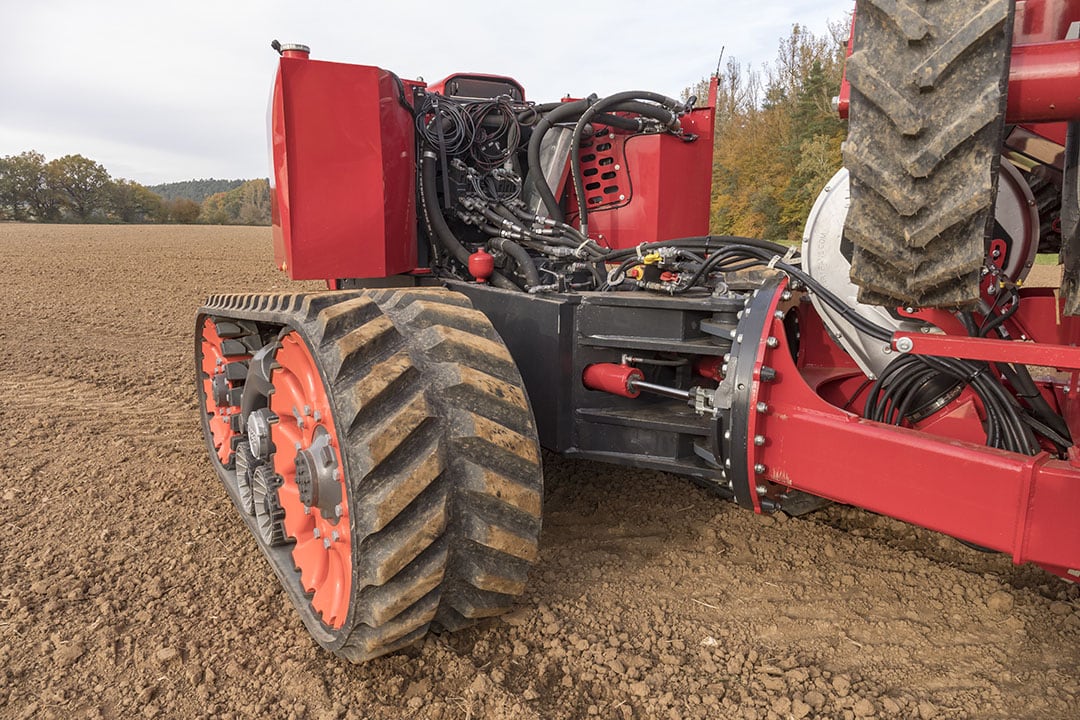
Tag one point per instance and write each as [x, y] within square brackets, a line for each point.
[222, 372]
[313, 492]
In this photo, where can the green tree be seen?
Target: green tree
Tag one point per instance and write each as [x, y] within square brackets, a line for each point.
[25, 192]
[84, 185]
[131, 202]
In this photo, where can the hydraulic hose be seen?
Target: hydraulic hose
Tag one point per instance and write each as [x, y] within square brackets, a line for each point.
[563, 113]
[437, 223]
[520, 257]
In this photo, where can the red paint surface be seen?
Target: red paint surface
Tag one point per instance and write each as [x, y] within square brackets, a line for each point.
[344, 172]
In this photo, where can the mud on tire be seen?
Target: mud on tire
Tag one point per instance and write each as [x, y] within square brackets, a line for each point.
[434, 518]
[928, 82]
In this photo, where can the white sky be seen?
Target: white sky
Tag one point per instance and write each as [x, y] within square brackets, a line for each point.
[162, 91]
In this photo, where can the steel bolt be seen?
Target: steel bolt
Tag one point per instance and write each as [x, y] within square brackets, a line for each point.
[326, 543]
[307, 410]
[904, 345]
[761, 407]
[759, 440]
[759, 469]
[771, 341]
[779, 314]
[738, 339]
[334, 536]
[337, 510]
[727, 356]
[761, 490]
[786, 295]
[315, 533]
[727, 434]
[727, 462]
[732, 333]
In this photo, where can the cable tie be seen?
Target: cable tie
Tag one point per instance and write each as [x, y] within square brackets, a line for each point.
[579, 251]
[789, 255]
[640, 257]
[772, 263]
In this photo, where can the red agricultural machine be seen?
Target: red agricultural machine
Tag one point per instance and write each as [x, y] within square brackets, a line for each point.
[508, 275]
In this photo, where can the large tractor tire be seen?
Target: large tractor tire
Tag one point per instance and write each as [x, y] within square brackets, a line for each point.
[928, 86]
[401, 488]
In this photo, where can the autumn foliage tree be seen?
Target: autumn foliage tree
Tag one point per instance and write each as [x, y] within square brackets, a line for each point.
[777, 136]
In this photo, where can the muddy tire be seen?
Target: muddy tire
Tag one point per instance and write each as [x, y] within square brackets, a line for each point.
[928, 82]
[407, 465]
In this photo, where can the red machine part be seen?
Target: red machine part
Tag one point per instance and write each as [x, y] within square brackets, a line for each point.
[323, 549]
[221, 404]
[348, 209]
[481, 265]
[612, 378]
[640, 188]
[1023, 505]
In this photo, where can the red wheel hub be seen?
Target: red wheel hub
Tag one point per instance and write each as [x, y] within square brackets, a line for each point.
[315, 499]
[216, 386]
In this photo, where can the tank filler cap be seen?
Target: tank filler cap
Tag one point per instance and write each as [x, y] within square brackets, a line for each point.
[291, 49]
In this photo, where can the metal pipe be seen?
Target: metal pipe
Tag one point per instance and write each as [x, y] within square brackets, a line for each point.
[664, 390]
[1044, 82]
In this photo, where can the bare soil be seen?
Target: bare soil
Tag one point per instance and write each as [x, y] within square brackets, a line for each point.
[128, 587]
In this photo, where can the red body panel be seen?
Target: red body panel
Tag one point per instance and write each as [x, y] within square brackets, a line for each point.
[659, 185]
[344, 172]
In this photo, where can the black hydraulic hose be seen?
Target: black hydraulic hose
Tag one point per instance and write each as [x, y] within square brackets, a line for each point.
[563, 113]
[434, 214]
[437, 223]
[521, 258]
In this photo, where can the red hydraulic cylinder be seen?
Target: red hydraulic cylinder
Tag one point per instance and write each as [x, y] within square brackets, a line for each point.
[612, 378]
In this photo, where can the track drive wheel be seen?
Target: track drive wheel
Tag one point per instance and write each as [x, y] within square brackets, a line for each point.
[927, 115]
[223, 349]
[409, 470]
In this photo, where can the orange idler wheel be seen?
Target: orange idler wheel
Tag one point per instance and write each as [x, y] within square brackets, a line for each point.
[313, 492]
[222, 371]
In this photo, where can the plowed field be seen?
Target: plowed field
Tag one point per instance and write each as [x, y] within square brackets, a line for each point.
[129, 588]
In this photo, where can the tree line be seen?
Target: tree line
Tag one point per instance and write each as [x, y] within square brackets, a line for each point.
[778, 136]
[77, 189]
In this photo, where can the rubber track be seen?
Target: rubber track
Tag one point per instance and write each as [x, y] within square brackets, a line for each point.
[494, 475]
[928, 82]
[407, 458]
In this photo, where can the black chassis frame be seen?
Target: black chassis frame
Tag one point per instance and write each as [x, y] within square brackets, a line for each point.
[554, 337]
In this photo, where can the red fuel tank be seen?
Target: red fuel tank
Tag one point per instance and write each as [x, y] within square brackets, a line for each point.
[344, 200]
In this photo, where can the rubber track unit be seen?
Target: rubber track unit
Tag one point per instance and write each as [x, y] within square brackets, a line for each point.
[440, 455]
[928, 81]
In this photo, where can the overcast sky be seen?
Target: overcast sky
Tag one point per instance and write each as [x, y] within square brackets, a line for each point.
[163, 91]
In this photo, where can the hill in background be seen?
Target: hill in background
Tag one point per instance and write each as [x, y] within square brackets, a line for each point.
[194, 190]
